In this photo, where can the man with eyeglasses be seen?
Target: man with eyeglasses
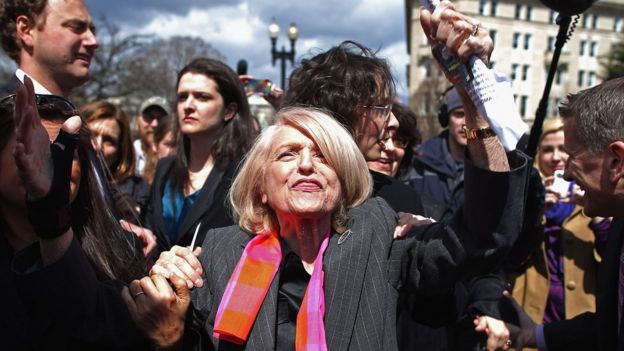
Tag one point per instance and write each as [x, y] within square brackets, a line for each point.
[51, 41]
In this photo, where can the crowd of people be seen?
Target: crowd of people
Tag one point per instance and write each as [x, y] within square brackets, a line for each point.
[335, 228]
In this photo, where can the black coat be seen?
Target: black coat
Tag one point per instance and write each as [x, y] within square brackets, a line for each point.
[211, 207]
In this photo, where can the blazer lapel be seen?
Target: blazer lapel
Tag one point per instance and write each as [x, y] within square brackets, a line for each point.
[202, 204]
[344, 267]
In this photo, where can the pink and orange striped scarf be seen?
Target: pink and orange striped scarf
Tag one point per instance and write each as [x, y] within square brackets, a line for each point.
[249, 285]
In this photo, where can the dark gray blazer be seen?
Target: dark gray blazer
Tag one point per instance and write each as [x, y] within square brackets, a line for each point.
[366, 269]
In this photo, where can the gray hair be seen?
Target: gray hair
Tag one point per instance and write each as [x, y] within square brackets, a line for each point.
[598, 113]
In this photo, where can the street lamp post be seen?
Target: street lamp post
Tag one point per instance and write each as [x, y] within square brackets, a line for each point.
[283, 55]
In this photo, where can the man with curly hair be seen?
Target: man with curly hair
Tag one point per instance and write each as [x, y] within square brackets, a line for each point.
[52, 41]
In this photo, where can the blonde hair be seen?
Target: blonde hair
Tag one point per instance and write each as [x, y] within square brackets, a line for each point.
[551, 125]
[334, 142]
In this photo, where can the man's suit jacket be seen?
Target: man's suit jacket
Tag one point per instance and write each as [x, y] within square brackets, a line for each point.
[599, 330]
[9, 86]
[211, 207]
[366, 270]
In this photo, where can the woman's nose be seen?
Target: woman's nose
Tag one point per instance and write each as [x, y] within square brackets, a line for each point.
[305, 161]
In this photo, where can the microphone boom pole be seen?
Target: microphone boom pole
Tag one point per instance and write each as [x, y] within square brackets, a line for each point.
[536, 130]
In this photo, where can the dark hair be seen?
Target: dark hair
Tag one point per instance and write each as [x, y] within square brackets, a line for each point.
[342, 80]
[238, 133]
[124, 165]
[408, 131]
[598, 113]
[9, 11]
[113, 252]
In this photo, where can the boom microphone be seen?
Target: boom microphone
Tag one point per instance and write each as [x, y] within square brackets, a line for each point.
[568, 7]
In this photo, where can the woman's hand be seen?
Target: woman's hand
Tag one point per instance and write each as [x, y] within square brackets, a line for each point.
[148, 239]
[520, 336]
[158, 310]
[407, 222]
[497, 332]
[462, 35]
[180, 261]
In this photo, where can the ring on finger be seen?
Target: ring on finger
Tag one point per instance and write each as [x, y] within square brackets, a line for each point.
[475, 29]
[139, 293]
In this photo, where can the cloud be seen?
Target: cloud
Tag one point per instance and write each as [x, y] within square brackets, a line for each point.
[239, 29]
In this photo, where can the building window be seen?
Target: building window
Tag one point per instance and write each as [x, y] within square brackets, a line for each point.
[560, 76]
[552, 17]
[595, 21]
[525, 72]
[527, 41]
[593, 49]
[523, 105]
[581, 78]
[516, 39]
[481, 7]
[551, 43]
[529, 12]
[493, 35]
[591, 79]
[494, 8]
[518, 11]
[617, 24]
[582, 47]
[514, 71]
[585, 19]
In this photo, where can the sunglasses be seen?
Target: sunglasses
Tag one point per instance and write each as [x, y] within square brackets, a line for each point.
[49, 106]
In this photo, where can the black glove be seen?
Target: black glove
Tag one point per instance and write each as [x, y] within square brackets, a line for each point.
[50, 216]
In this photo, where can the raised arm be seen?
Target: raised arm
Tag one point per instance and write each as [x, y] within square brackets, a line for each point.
[463, 38]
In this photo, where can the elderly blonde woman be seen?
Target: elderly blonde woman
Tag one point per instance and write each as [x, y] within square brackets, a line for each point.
[312, 261]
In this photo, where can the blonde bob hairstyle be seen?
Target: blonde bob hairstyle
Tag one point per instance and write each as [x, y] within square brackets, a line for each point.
[551, 125]
[334, 142]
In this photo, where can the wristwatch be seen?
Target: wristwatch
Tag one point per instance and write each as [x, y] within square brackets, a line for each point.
[478, 133]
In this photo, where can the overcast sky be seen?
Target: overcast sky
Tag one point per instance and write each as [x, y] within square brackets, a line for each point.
[238, 29]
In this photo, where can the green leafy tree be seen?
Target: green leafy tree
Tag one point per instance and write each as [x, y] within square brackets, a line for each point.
[613, 64]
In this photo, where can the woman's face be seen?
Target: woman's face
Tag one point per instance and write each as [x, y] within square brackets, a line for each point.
[200, 106]
[105, 134]
[373, 125]
[390, 155]
[551, 153]
[298, 181]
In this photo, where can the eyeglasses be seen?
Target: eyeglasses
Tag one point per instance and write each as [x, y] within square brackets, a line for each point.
[385, 110]
[49, 106]
[396, 142]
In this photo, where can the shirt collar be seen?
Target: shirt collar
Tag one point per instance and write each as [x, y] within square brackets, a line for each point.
[39, 89]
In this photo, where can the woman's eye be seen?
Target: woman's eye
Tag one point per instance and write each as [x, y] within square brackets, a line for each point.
[286, 155]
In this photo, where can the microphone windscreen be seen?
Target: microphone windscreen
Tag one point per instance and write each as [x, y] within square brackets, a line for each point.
[569, 7]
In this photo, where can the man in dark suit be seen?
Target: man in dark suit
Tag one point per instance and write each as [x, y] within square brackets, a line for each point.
[52, 42]
[594, 130]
